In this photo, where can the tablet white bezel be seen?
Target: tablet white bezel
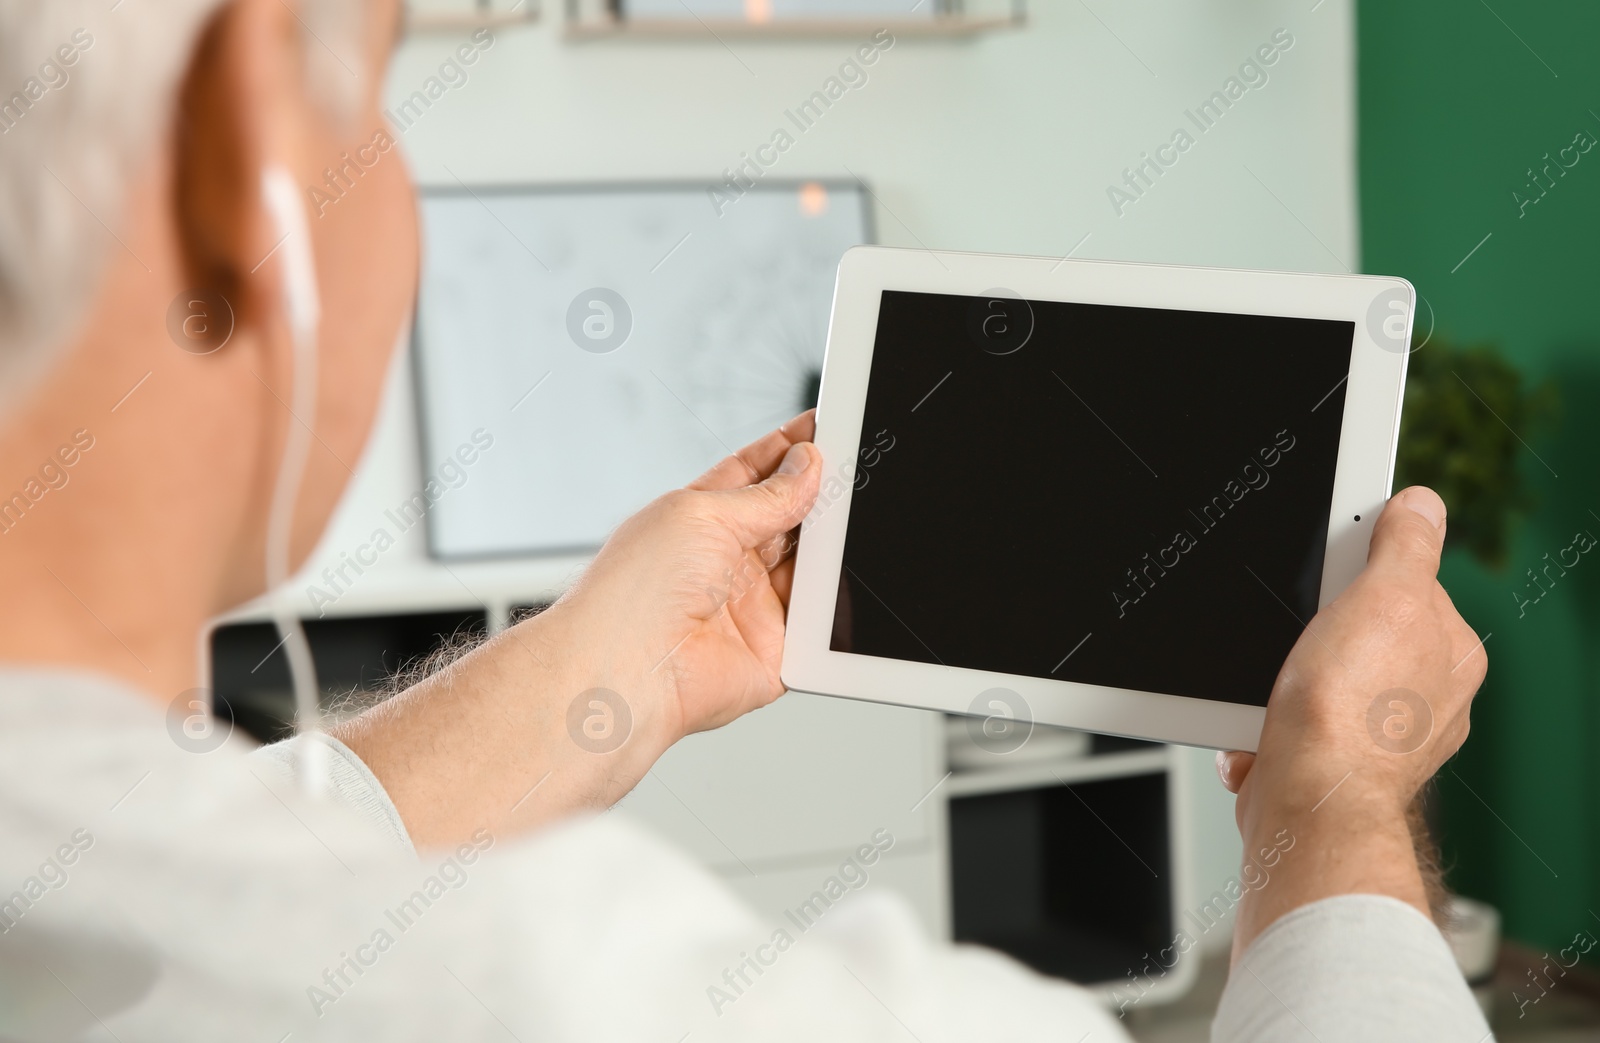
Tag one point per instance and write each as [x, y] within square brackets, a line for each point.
[1362, 480]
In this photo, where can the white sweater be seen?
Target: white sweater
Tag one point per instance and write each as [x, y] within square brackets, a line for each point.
[150, 893]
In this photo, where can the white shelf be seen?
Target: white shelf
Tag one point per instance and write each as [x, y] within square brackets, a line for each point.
[463, 18]
[1063, 771]
[589, 20]
[672, 29]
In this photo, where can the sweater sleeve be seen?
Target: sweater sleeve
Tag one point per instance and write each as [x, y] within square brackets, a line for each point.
[1359, 968]
[347, 780]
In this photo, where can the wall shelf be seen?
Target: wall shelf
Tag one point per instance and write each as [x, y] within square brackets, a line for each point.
[948, 27]
[1059, 772]
[587, 22]
[459, 18]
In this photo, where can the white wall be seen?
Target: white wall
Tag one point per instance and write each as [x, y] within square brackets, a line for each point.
[1007, 142]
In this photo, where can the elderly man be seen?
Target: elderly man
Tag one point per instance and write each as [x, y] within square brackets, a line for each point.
[152, 147]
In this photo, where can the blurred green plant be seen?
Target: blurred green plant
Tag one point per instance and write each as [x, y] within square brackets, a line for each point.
[1467, 413]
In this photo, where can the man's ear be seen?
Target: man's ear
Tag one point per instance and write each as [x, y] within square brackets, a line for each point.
[229, 125]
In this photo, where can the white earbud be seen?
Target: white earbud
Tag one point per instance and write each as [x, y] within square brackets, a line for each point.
[301, 300]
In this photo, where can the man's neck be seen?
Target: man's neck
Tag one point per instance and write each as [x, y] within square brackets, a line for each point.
[113, 552]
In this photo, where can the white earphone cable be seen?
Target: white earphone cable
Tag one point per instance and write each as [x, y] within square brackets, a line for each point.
[302, 309]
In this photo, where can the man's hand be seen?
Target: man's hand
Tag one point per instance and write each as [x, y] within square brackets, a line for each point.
[676, 627]
[1371, 702]
[692, 591]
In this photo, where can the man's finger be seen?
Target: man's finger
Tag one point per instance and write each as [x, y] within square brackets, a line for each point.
[782, 580]
[1409, 537]
[757, 514]
[1232, 767]
[802, 428]
[758, 459]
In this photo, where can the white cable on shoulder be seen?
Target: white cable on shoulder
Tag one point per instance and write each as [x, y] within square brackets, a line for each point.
[302, 308]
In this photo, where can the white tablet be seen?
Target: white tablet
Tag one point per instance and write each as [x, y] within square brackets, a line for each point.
[1097, 495]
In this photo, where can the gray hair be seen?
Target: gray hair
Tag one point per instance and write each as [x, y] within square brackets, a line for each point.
[86, 94]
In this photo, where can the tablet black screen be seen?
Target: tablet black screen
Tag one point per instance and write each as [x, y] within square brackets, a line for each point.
[1131, 497]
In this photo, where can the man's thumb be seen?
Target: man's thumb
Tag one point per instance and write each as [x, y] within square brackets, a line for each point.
[757, 513]
[1409, 536]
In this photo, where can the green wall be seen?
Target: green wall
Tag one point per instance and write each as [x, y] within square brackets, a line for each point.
[1454, 109]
